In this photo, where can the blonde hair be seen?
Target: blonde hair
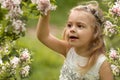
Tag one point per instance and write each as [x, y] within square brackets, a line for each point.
[97, 46]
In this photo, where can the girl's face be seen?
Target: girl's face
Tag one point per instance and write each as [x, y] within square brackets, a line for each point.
[79, 30]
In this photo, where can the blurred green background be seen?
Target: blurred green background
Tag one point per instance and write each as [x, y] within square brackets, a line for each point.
[47, 63]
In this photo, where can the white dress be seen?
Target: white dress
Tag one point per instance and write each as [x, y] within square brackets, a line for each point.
[71, 69]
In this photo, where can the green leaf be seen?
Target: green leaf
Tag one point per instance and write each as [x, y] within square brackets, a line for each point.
[32, 5]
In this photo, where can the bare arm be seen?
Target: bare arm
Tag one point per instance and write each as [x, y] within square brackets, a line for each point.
[105, 72]
[43, 34]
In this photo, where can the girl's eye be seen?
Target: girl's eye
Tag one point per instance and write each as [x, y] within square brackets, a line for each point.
[69, 25]
[80, 26]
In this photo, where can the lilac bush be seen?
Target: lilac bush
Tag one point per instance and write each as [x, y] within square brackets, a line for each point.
[15, 62]
[112, 30]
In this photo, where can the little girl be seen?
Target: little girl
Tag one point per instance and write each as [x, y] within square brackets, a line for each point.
[82, 46]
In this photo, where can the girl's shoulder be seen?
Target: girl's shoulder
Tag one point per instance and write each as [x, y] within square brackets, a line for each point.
[101, 59]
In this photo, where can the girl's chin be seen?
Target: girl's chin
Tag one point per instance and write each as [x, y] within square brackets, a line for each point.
[74, 45]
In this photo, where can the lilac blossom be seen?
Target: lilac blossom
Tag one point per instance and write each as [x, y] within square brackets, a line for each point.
[7, 4]
[10, 4]
[25, 71]
[19, 26]
[44, 7]
[25, 55]
[13, 6]
[13, 13]
[113, 54]
[116, 8]
[17, 2]
[15, 61]
[109, 29]
[115, 69]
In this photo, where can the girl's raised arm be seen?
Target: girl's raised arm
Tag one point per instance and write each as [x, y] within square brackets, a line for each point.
[43, 34]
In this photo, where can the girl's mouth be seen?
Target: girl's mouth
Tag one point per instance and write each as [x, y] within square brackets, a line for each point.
[73, 37]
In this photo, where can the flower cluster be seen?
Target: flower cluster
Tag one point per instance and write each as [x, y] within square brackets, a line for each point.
[16, 26]
[109, 29]
[14, 62]
[44, 6]
[114, 59]
[25, 71]
[13, 6]
[112, 30]
[115, 10]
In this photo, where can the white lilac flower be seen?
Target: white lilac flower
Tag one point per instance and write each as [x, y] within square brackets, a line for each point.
[15, 61]
[13, 6]
[13, 13]
[17, 1]
[7, 4]
[19, 26]
[25, 55]
[44, 7]
[112, 30]
[10, 4]
[115, 69]
[109, 28]
[108, 24]
[113, 54]
[116, 8]
[25, 71]
[17, 10]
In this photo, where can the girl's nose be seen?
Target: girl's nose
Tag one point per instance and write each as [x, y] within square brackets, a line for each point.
[72, 30]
